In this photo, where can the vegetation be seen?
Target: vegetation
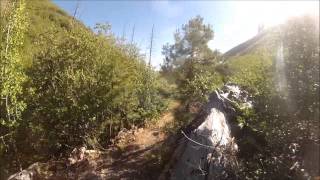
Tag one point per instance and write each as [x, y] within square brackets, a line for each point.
[282, 111]
[64, 85]
[12, 74]
[285, 117]
[72, 88]
[191, 61]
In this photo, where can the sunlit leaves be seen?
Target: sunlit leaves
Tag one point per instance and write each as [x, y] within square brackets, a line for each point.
[12, 72]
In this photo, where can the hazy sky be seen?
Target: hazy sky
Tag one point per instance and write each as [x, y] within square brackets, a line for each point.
[233, 21]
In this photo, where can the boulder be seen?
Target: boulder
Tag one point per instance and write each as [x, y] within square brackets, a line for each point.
[31, 173]
[207, 148]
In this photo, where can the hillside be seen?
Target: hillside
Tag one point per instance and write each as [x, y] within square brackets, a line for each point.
[266, 39]
[64, 86]
[45, 18]
[245, 47]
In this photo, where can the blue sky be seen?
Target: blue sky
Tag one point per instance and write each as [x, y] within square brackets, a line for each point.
[233, 21]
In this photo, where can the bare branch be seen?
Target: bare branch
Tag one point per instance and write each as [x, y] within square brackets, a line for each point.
[132, 35]
[76, 10]
[151, 43]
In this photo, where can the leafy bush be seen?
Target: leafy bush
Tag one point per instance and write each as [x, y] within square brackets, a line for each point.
[287, 116]
[80, 88]
[252, 71]
[201, 85]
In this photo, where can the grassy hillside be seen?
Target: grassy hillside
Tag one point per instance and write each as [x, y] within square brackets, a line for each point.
[64, 86]
[44, 18]
[267, 40]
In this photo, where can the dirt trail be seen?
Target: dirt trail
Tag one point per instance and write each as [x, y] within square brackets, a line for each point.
[141, 149]
[135, 154]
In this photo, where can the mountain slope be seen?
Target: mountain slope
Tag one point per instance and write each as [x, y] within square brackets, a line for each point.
[265, 39]
[46, 18]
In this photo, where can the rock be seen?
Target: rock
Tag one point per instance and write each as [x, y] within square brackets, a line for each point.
[31, 173]
[80, 165]
[207, 148]
[77, 155]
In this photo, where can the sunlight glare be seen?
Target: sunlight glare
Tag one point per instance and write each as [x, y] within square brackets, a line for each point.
[271, 13]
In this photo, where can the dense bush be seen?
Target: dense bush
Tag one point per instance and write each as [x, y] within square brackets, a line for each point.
[79, 88]
[252, 72]
[287, 114]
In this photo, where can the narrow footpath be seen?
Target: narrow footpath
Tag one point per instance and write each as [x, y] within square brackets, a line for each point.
[139, 157]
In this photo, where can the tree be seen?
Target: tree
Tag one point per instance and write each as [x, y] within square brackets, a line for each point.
[301, 41]
[190, 44]
[189, 57]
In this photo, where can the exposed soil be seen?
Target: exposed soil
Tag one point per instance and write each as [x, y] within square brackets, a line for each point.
[135, 154]
[140, 150]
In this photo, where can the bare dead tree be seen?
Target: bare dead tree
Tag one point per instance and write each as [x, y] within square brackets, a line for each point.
[76, 10]
[123, 32]
[132, 34]
[80, 12]
[132, 48]
[75, 13]
[151, 44]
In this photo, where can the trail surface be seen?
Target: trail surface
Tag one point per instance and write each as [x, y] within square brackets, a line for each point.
[135, 154]
[139, 157]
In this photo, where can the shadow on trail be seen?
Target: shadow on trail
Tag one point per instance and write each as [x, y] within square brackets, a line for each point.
[139, 164]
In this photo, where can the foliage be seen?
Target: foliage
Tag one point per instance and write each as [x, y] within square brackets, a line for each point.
[63, 85]
[201, 85]
[301, 42]
[191, 62]
[12, 75]
[251, 71]
[81, 87]
[288, 120]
